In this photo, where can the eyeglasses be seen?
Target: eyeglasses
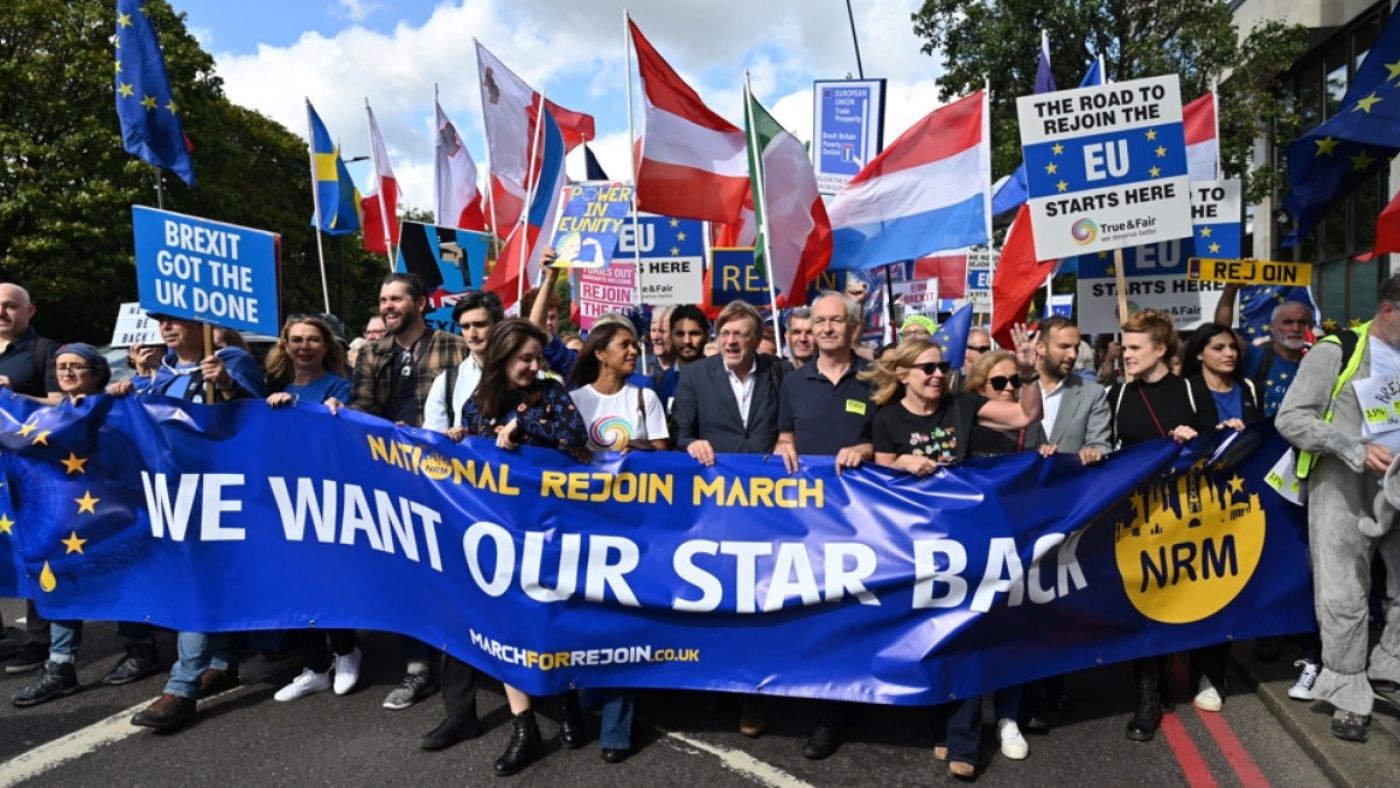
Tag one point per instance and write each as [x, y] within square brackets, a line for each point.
[74, 368]
[980, 348]
[930, 367]
[1000, 382]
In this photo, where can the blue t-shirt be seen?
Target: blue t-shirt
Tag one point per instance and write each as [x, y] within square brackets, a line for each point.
[1229, 404]
[1276, 383]
[321, 389]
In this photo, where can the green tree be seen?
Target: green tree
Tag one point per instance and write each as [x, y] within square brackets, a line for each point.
[997, 41]
[67, 186]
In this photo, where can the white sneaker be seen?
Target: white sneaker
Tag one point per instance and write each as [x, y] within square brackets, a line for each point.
[1302, 689]
[347, 672]
[308, 683]
[1207, 697]
[1013, 744]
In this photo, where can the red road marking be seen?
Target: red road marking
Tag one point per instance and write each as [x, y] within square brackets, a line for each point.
[1187, 755]
[1234, 750]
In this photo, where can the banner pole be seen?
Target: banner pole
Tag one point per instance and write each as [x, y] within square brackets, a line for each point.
[1122, 285]
[762, 204]
[208, 351]
[316, 202]
[632, 151]
[379, 187]
[531, 187]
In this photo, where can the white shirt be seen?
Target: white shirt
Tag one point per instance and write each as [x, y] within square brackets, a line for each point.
[743, 389]
[1050, 402]
[436, 415]
[615, 419]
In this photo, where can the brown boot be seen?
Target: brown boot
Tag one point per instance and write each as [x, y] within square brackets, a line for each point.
[167, 713]
[213, 681]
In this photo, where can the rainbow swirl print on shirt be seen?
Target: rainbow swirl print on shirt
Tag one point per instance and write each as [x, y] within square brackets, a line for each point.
[1084, 231]
[610, 432]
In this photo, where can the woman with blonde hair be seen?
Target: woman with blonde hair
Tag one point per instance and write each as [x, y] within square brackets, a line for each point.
[994, 375]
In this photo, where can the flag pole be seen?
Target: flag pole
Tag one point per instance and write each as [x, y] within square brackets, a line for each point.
[531, 186]
[379, 187]
[316, 202]
[160, 187]
[632, 145]
[762, 203]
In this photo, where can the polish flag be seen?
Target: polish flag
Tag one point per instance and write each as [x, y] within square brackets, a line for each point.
[1202, 138]
[509, 107]
[526, 242]
[1017, 278]
[381, 207]
[458, 200]
[694, 163]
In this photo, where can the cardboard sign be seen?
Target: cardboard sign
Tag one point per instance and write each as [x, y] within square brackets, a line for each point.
[135, 327]
[1379, 398]
[980, 263]
[918, 297]
[589, 223]
[450, 261]
[1105, 166]
[600, 291]
[1250, 272]
[848, 127]
[671, 256]
[735, 277]
[216, 273]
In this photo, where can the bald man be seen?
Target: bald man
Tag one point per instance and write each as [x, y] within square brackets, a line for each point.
[26, 368]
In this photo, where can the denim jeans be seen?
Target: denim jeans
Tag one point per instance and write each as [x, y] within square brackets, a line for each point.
[959, 724]
[67, 637]
[198, 652]
[618, 708]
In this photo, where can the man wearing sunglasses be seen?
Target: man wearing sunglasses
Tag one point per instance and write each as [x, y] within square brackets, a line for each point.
[978, 342]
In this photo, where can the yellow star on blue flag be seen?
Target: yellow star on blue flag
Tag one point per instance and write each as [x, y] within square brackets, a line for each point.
[154, 137]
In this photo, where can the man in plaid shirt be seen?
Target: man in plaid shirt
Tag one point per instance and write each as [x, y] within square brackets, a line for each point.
[392, 379]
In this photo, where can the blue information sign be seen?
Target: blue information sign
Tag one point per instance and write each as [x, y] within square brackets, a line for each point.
[196, 269]
[847, 129]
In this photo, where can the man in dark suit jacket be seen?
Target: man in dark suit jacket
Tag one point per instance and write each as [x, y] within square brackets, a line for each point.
[729, 402]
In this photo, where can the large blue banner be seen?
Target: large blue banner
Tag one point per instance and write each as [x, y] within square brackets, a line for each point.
[647, 570]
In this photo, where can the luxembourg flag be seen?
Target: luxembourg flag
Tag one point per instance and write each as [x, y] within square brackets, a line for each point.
[929, 191]
[526, 242]
[1202, 138]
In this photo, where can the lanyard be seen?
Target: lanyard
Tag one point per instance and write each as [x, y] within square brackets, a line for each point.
[1150, 411]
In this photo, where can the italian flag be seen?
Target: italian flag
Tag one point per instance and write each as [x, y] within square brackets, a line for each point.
[794, 230]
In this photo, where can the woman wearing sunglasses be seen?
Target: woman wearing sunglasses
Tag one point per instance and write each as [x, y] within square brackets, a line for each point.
[994, 375]
[922, 424]
[307, 363]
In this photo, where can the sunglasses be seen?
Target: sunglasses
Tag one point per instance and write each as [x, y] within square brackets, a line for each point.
[1000, 382]
[980, 348]
[930, 367]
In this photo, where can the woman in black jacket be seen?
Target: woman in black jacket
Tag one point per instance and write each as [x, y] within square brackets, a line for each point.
[1213, 364]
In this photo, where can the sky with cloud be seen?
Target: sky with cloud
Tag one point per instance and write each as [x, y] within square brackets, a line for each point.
[272, 54]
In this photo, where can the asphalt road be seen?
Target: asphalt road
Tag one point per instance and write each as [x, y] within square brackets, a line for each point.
[244, 737]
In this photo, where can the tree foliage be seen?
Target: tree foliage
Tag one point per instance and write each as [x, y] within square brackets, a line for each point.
[997, 41]
[67, 186]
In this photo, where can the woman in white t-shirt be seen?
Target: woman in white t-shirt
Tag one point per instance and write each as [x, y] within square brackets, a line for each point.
[620, 416]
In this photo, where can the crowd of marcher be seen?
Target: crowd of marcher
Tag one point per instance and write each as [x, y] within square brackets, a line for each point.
[706, 390]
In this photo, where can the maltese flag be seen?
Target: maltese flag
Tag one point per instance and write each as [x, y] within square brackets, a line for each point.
[458, 200]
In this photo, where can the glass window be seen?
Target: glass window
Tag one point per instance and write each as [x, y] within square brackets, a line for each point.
[1333, 290]
[1366, 206]
[1309, 95]
[1332, 234]
[1364, 287]
[1336, 79]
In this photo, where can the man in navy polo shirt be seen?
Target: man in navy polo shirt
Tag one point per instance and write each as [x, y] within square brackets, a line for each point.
[26, 368]
[825, 409]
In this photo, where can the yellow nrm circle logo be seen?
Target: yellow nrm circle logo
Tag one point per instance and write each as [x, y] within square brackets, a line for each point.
[1190, 547]
[436, 467]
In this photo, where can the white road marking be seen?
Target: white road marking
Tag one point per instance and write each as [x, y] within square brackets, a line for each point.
[83, 741]
[741, 762]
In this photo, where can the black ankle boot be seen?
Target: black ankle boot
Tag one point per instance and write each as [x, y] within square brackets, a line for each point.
[571, 729]
[523, 747]
[1143, 725]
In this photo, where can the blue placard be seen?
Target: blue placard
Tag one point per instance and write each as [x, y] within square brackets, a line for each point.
[848, 127]
[449, 260]
[735, 277]
[671, 253]
[589, 223]
[213, 272]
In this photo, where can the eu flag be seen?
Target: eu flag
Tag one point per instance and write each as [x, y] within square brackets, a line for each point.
[149, 117]
[337, 199]
[1329, 162]
[952, 336]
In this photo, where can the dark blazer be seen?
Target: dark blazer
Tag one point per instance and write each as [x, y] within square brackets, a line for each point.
[705, 407]
[1250, 398]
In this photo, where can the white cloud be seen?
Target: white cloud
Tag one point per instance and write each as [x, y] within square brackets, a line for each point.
[574, 49]
[358, 10]
[204, 36]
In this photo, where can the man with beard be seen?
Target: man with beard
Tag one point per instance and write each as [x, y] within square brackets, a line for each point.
[1272, 366]
[802, 346]
[393, 379]
[690, 330]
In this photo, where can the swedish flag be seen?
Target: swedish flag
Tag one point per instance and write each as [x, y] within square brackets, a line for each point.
[1329, 162]
[149, 116]
[337, 199]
